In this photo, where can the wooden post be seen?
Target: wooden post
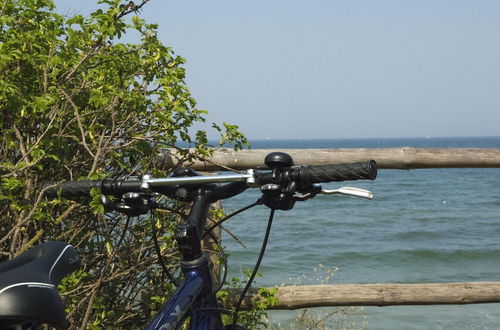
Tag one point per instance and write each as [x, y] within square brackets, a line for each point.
[382, 294]
[387, 158]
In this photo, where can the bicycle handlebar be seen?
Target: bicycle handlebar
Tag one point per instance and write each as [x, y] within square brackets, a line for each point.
[168, 186]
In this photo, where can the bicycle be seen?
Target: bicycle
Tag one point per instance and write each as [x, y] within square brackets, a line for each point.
[28, 283]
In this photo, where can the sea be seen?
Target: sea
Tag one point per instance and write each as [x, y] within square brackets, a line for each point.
[423, 226]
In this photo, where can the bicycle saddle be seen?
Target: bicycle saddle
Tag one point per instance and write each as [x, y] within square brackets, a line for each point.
[28, 283]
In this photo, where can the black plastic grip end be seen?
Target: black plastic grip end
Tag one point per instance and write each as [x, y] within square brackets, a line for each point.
[70, 188]
[339, 172]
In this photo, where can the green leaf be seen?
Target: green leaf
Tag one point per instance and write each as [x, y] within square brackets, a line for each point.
[10, 184]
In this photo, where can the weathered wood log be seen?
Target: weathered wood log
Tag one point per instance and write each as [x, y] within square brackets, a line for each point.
[382, 294]
[388, 158]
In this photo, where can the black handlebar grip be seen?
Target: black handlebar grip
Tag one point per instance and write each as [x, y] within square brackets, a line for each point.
[70, 188]
[339, 172]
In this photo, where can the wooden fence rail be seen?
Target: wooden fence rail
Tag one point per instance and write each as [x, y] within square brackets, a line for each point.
[387, 158]
[382, 294]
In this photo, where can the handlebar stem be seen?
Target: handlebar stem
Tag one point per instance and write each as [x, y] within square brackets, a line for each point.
[199, 211]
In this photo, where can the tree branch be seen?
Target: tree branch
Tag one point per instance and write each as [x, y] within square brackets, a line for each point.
[78, 119]
[131, 7]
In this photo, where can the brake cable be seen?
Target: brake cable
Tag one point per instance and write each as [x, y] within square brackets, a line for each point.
[256, 268]
[224, 258]
[218, 223]
[158, 251]
[208, 232]
[124, 232]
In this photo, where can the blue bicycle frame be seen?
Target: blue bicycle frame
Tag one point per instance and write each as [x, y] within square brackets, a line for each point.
[195, 296]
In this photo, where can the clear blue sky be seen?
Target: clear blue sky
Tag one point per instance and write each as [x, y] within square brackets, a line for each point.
[337, 69]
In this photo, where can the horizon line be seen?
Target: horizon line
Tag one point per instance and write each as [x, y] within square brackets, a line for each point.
[373, 138]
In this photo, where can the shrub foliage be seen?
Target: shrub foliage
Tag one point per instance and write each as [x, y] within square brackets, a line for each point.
[78, 103]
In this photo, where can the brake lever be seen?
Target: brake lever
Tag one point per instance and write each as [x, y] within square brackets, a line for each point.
[131, 204]
[349, 191]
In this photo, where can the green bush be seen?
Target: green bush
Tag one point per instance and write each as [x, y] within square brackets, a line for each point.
[77, 103]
